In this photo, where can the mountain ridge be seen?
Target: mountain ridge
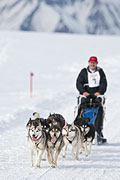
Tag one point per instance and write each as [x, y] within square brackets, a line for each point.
[70, 16]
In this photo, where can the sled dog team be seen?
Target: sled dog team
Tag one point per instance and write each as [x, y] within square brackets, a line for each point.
[53, 134]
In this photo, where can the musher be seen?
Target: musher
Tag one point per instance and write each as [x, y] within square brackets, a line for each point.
[92, 84]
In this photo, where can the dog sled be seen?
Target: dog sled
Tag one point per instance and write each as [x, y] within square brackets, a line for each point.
[95, 112]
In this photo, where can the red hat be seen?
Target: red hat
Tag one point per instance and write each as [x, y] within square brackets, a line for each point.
[93, 59]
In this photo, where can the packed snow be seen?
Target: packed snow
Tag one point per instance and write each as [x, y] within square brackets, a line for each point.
[55, 60]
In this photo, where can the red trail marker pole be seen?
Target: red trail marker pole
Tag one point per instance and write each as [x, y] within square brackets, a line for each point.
[31, 75]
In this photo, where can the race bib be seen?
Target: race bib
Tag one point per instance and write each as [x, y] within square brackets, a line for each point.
[93, 79]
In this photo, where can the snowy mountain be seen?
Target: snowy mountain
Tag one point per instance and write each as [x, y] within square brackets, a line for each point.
[74, 16]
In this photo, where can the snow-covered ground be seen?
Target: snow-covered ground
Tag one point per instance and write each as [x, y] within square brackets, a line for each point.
[55, 60]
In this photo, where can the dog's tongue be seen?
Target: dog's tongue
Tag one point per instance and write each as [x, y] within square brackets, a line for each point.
[34, 139]
[53, 139]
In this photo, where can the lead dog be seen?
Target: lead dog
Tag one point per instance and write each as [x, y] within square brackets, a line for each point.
[54, 135]
[36, 140]
[45, 123]
[54, 142]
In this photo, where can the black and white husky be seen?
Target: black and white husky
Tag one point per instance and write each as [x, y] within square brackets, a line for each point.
[57, 119]
[88, 134]
[36, 140]
[54, 143]
[71, 135]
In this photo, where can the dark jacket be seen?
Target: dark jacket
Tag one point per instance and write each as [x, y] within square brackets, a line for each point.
[82, 80]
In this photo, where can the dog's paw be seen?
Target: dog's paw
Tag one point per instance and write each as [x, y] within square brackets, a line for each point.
[37, 166]
[53, 166]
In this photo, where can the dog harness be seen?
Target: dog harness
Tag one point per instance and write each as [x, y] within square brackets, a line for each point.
[45, 148]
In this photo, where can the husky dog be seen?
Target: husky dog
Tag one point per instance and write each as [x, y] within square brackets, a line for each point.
[36, 140]
[54, 142]
[57, 119]
[71, 135]
[88, 134]
[45, 123]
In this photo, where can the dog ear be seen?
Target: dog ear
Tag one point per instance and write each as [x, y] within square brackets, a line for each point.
[29, 123]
